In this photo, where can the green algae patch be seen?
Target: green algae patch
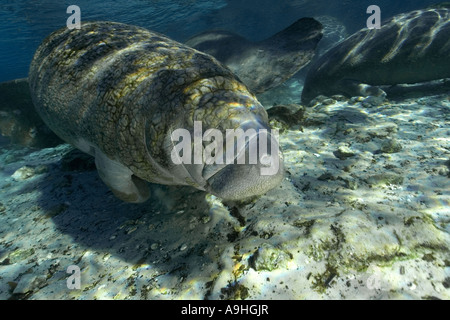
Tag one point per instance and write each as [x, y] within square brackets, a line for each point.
[18, 255]
[357, 240]
[384, 179]
[391, 146]
[269, 258]
[235, 291]
[322, 281]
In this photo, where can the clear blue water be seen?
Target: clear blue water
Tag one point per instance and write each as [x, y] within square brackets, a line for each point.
[24, 24]
[335, 213]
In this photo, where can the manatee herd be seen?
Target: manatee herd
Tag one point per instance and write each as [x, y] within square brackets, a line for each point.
[119, 92]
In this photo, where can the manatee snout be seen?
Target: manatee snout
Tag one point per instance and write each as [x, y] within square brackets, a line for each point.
[240, 182]
[257, 167]
[232, 164]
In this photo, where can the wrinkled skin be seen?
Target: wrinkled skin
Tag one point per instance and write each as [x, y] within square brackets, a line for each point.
[118, 92]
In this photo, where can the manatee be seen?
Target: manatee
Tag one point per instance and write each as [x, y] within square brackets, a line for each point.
[265, 64]
[19, 122]
[119, 92]
[409, 48]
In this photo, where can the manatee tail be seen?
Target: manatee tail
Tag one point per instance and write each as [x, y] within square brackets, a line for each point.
[304, 34]
[265, 64]
[286, 53]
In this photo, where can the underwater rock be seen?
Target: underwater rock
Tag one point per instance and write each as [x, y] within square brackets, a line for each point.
[269, 258]
[408, 48]
[339, 97]
[289, 115]
[390, 146]
[383, 131]
[351, 184]
[17, 256]
[27, 172]
[327, 176]
[343, 153]
[320, 99]
[23, 173]
[56, 210]
[29, 282]
[40, 169]
[444, 170]
[383, 179]
[373, 101]
[19, 120]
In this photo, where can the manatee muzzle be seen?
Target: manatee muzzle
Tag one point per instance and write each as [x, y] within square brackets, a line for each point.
[257, 167]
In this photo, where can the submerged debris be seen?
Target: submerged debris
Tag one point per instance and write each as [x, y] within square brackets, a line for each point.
[289, 115]
[391, 146]
[269, 258]
[343, 153]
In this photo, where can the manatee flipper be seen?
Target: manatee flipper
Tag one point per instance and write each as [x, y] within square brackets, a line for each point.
[121, 180]
[264, 64]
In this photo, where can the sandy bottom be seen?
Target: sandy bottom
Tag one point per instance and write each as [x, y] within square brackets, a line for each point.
[363, 213]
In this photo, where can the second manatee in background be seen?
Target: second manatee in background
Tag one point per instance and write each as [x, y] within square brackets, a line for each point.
[409, 48]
